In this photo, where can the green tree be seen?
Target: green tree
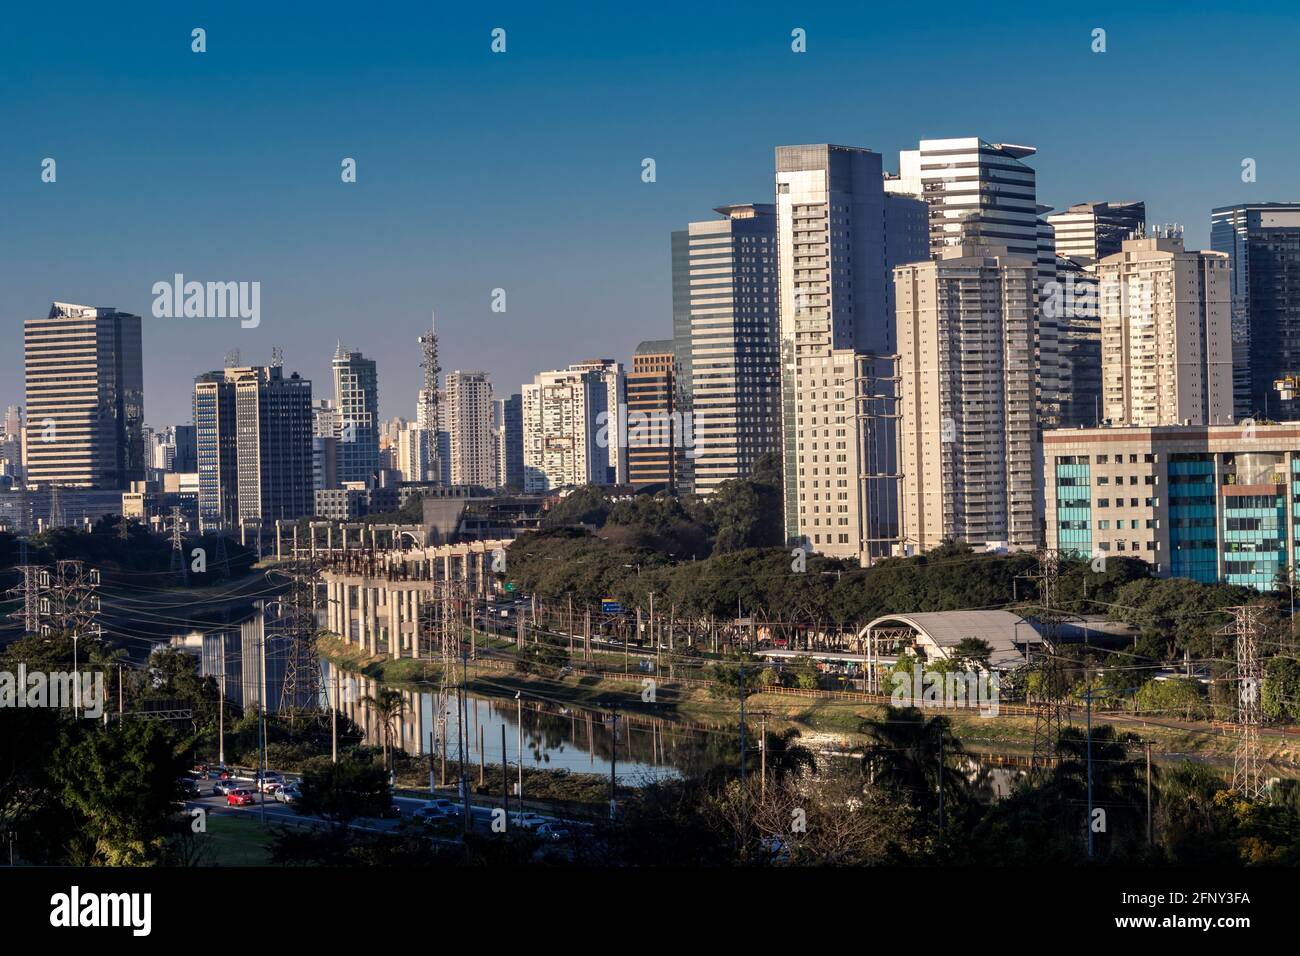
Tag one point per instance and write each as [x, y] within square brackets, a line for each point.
[344, 791]
[121, 785]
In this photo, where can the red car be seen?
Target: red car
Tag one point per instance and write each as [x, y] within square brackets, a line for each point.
[240, 798]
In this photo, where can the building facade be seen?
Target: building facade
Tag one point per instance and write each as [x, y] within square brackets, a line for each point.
[1211, 503]
[838, 234]
[653, 432]
[1262, 243]
[85, 398]
[1089, 231]
[610, 435]
[253, 431]
[986, 193]
[726, 343]
[563, 414]
[356, 399]
[1166, 335]
[469, 427]
[508, 425]
[968, 426]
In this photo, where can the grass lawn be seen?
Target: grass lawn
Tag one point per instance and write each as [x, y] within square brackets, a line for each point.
[236, 840]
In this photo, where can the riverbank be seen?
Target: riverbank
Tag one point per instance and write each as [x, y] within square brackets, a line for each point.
[825, 721]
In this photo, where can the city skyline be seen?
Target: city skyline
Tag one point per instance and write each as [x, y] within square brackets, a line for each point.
[585, 262]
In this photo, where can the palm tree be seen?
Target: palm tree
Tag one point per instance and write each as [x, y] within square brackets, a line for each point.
[388, 707]
[785, 758]
[904, 753]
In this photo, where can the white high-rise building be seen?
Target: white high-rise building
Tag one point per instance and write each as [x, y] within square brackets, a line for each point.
[614, 441]
[837, 236]
[1166, 335]
[562, 413]
[968, 431]
[469, 426]
[984, 192]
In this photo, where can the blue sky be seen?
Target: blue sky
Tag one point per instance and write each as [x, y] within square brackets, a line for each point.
[522, 171]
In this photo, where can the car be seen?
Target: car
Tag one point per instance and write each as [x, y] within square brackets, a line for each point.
[529, 820]
[555, 832]
[290, 793]
[240, 797]
[190, 787]
[225, 785]
[269, 783]
[391, 812]
[434, 810]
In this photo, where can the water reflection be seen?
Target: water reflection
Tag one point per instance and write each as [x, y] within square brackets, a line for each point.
[554, 737]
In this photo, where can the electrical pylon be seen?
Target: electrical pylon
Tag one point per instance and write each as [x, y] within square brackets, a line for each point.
[179, 566]
[73, 603]
[1050, 706]
[1246, 779]
[302, 680]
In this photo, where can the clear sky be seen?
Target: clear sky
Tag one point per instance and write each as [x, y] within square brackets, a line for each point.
[522, 170]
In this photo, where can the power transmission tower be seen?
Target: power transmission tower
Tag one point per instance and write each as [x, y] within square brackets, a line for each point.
[73, 603]
[29, 591]
[301, 688]
[1050, 706]
[1246, 778]
[179, 567]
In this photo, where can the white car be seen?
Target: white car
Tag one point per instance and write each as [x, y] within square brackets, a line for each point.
[529, 820]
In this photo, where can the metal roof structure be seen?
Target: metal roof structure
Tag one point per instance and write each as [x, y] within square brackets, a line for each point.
[1004, 632]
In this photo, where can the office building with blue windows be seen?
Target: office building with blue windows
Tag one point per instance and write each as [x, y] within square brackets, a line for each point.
[1210, 503]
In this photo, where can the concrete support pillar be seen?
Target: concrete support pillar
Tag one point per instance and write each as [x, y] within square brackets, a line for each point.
[345, 593]
[395, 623]
[373, 618]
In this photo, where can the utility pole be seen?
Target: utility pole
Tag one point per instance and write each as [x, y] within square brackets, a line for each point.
[941, 755]
[1088, 822]
[505, 787]
[334, 725]
[261, 707]
[519, 705]
[221, 707]
[462, 708]
[742, 725]
[762, 754]
[613, 767]
[1148, 793]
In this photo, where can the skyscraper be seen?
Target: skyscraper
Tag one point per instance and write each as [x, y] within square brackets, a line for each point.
[469, 426]
[726, 343]
[838, 234]
[1166, 335]
[1090, 231]
[562, 421]
[85, 398]
[986, 193]
[253, 430]
[356, 396]
[11, 443]
[1075, 304]
[610, 436]
[653, 430]
[1262, 241]
[508, 422]
[968, 431]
